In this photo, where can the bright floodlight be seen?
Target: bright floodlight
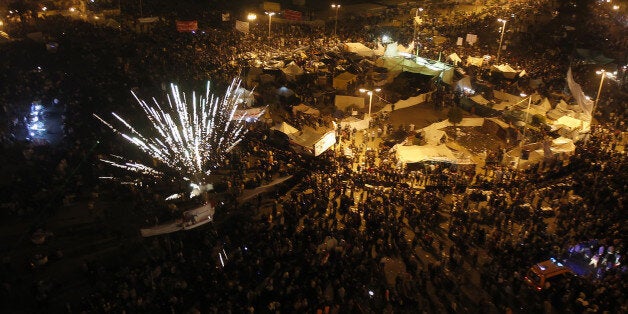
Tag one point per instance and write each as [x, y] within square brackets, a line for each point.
[270, 13]
[191, 137]
[334, 6]
[251, 17]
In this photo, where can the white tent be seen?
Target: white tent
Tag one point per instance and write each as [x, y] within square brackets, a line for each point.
[433, 136]
[412, 154]
[251, 114]
[343, 102]
[477, 61]
[506, 70]
[285, 128]
[396, 65]
[479, 99]
[360, 49]
[313, 141]
[342, 81]
[563, 145]
[405, 103]
[454, 58]
[246, 96]
[464, 84]
[305, 109]
[355, 123]
[568, 123]
[292, 70]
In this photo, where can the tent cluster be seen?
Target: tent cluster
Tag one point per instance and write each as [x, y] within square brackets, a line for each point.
[309, 140]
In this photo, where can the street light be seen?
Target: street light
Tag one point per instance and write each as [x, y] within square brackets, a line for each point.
[416, 26]
[501, 39]
[527, 113]
[370, 93]
[337, 7]
[599, 90]
[270, 18]
[251, 17]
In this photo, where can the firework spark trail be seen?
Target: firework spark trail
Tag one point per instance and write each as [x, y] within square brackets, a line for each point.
[190, 138]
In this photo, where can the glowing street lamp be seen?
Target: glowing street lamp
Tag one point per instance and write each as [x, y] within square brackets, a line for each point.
[270, 18]
[251, 17]
[501, 38]
[416, 28]
[337, 7]
[527, 113]
[604, 74]
[370, 93]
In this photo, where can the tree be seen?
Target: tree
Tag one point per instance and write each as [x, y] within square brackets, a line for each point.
[454, 115]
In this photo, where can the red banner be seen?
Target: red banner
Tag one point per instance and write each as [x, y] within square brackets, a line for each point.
[187, 26]
[292, 15]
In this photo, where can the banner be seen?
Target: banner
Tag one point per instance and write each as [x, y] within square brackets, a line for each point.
[472, 39]
[242, 26]
[152, 19]
[292, 15]
[226, 17]
[187, 26]
[576, 91]
[459, 41]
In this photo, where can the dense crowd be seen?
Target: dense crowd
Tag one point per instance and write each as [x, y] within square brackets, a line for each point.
[328, 243]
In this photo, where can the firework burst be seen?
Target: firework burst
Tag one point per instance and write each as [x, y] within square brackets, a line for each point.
[189, 136]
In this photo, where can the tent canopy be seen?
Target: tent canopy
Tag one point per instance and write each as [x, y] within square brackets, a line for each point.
[343, 80]
[305, 109]
[285, 128]
[292, 70]
[343, 102]
[478, 99]
[359, 48]
[477, 61]
[412, 154]
[454, 58]
[418, 65]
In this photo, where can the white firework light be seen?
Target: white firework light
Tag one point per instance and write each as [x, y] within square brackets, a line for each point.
[191, 137]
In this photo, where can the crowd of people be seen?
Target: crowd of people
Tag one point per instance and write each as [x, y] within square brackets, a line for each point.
[326, 244]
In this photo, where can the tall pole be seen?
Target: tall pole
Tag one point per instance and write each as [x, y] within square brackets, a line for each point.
[270, 18]
[599, 91]
[416, 29]
[370, 102]
[501, 40]
[335, 6]
[370, 93]
[527, 114]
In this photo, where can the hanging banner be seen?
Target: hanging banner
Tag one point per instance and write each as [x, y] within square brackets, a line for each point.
[242, 26]
[459, 41]
[581, 99]
[292, 15]
[187, 26]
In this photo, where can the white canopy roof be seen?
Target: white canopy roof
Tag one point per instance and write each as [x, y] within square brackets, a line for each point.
[285, 128]
[411, 154]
